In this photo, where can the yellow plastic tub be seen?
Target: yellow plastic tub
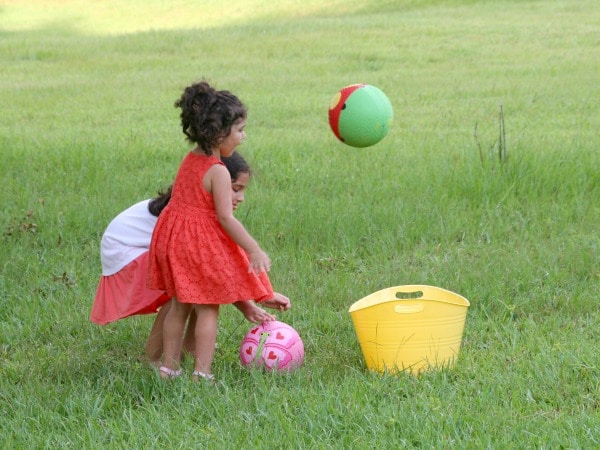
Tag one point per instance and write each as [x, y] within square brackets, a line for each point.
[412, 327]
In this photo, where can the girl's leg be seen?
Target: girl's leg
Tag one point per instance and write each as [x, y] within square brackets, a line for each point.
[154, 344]
[189, 341]
[173, 327]
[206, 338]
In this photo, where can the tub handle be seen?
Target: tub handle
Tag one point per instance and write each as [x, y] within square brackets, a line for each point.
[409, 295]
[408, 309]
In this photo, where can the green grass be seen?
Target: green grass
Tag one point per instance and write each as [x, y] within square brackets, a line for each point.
[87, 128]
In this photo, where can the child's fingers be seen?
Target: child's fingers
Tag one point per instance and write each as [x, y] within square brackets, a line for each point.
[258, 268]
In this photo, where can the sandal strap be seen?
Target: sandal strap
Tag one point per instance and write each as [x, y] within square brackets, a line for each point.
[206, 376]
[170, 372]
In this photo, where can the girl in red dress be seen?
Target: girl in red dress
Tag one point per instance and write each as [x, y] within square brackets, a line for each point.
[122, 290]
[200, 254]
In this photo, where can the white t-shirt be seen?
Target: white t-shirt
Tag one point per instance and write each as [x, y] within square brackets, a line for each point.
[126, 237]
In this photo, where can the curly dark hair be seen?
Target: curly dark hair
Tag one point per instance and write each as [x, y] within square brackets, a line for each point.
[207, 114]
[236, 165]
[158, 203]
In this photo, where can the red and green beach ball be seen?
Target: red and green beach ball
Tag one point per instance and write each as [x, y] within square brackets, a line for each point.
[360, 115]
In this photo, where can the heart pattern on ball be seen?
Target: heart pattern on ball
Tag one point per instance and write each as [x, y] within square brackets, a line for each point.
[272, 345]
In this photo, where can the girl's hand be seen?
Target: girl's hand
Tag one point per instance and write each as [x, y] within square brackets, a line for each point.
[254, 313]
[259, 262]
[279, 302]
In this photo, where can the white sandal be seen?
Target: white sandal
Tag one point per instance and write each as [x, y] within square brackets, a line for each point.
[207, 376]
[170, 373]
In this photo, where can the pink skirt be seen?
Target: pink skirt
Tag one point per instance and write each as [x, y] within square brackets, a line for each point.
[125, 294]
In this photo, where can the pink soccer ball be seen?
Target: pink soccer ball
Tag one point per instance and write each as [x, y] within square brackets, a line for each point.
[272, 345]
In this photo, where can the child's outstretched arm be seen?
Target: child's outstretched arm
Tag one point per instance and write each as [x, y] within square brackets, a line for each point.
[254, 313]
[279, 302]
[218, 181]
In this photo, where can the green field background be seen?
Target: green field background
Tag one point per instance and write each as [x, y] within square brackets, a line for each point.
[487, 185]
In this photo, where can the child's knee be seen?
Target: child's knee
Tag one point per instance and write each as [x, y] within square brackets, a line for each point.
[181, 309]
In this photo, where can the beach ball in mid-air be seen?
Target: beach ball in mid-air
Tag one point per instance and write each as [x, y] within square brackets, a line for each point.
[272, 345]
[360, 115]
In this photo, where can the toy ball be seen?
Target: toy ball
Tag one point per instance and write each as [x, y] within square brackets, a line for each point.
[273, 346]
[360, 115]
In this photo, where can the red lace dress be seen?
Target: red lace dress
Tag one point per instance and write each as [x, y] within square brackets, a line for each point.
[191, 256]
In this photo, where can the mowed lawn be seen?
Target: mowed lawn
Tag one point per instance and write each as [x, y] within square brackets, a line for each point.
[487, 185]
